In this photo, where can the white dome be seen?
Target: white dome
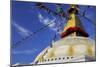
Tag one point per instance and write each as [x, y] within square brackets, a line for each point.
[69, 46]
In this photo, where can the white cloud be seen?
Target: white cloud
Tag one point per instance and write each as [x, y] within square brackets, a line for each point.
[22, 31]
[24, 51]
[54, 22]
[16, 64]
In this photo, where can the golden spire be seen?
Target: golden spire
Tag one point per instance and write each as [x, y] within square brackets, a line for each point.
[73, 27]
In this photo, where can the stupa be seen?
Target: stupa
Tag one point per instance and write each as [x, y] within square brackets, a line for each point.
[74, 45]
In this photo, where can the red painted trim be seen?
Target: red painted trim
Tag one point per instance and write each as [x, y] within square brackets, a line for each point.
[74, 29]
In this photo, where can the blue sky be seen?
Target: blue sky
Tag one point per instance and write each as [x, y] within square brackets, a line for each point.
[27, 18]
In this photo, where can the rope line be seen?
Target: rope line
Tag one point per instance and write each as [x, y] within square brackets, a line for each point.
[30, 35]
